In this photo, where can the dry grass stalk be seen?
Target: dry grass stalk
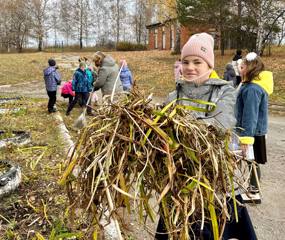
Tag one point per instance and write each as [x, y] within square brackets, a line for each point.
[139, 150]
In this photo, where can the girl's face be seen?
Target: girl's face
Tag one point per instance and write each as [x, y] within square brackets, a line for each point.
[194, 67]
[242, 69]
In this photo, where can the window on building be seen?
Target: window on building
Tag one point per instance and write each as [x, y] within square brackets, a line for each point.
[172, 37]
[155, 39]
[163, 38]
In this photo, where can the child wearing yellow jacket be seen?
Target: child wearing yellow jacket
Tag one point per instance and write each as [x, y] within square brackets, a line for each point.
[252, 114]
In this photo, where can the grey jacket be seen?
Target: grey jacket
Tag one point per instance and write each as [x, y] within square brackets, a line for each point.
[229, 74]
[217, 91]
[52, 79]
[107, 75]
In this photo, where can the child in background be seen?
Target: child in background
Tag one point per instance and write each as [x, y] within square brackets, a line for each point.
[235, 63]
[229, 74]
[52, 80]
[126, 76]
[66, 91]
[252, 115]
[177, 69]
[91, 76]
[81, 87]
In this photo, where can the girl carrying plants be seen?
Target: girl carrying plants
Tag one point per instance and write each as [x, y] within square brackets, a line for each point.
[197, 82]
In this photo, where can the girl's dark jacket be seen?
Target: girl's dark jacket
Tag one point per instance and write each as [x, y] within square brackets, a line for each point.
[229, 74]
[52, 78]
[80, 82]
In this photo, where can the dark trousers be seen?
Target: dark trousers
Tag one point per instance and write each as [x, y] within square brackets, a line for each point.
[242, 230]
[127, 89]
[52, 100]
[238, 80]
[79, 95]
[69, 96]
[260, 157]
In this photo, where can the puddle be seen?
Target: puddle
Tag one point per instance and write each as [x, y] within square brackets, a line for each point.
[10, 177]
[14, 137]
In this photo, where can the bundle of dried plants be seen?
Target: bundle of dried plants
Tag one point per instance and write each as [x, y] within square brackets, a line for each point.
[133, 151]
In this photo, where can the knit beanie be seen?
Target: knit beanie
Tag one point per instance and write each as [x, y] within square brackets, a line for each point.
[200, 45]
[51, 62]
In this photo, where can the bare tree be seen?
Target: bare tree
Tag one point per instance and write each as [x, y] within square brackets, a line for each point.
[103, 20]
[281, 34]
[118, 21]
[54, 21]
[66, 23]
[266, 13]
[15, 24]
[141, 16]
[5, 26]
[38, 12]
[119, 8]
[75, 18]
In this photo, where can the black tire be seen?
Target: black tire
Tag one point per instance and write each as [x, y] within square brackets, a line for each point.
[19, 138]
[10, 179]
[8, 99]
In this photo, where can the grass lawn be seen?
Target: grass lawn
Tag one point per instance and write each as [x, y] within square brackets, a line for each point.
[39, 199]
[152, 70]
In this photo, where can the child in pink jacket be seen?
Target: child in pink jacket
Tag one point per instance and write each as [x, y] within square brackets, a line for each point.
[177, 69]
[66, 91]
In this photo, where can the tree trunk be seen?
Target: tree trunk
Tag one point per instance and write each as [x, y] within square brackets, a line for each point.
[81, 27]
[177, 47]
[222, 28]
[80, 41]
[282, 33]
[239, 33]
[19, 46]
[222, 42]
[118, 21]
[260, 31]
[40, 44]
[259, 40]
[140, 28]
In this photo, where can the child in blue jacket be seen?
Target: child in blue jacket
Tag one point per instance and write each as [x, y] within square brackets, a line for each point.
[81, 86]
[126, 76]
[52, 80]
[252, 115]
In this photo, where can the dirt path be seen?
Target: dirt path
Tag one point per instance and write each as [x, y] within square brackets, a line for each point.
[268, 217]
[36, 88]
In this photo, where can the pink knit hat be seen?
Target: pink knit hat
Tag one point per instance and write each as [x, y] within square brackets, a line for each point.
[201, 45]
